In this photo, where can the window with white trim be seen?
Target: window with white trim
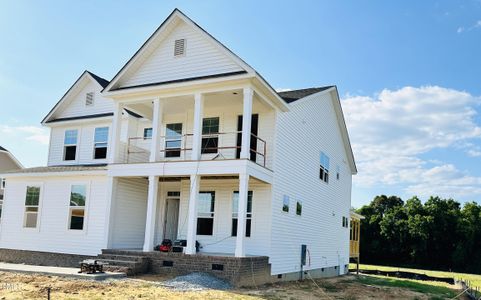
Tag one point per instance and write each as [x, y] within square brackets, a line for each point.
[285, 204]
[32, 201]
[78, 197]
[70, 144]
[210, 135]
[89, 99]
[173, 139]
[235, 212]
[324, 168]
[147, 133]
[2, 183]
[205, 213]
[338, 172]
[101, 140]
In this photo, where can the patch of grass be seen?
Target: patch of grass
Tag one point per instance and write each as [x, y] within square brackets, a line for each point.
[436, 291]
[473, 278]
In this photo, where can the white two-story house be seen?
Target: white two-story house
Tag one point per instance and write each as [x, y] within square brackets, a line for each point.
[188, 142]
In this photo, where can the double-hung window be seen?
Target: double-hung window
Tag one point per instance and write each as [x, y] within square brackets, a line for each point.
[173, 139]
[205, 213]
[32, 201]
[70, 144]
[235, 212]
[210, 135]
[78, 196]
[100, 142]
[324, 168]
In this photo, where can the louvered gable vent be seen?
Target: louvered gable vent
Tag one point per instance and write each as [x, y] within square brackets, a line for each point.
[179, 47]
[89, 99]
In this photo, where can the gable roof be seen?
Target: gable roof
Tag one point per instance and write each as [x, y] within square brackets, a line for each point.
[103, 82]
[13, 158]
[176, 14]
[293, 95]
[86, 74]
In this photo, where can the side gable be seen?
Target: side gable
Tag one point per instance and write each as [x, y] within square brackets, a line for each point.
[73, 103]
[155, 62]
[8, 161]
[297, 96]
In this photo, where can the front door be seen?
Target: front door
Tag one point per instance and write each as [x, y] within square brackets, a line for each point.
[171, 218]
[254, 129]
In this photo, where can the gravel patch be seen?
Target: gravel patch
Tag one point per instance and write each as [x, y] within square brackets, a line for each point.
[196, 282]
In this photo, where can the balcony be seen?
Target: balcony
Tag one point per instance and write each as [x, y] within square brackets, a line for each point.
[216, 146]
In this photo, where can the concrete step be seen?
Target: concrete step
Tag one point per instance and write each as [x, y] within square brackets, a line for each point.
[123, 252]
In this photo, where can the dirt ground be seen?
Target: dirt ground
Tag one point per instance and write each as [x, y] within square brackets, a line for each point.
[29, 286]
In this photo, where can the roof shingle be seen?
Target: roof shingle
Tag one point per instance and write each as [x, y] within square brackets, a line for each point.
[294, 95]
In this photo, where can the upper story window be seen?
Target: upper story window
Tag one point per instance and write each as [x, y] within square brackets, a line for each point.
[210, 137]
[173, 139]
[235, 212]
[89, 99]
[32, 201]
[338, 172]
[78, 196]
[2, 183]
[147, 133]
[100, 142]
[205, 213]
[70, 144]
[285, 204]
[179, 47]
[324, 168]
[298, 208]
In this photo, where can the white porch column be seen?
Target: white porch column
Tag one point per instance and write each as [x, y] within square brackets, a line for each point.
[197, 138]
[151, 213]
[246, 123]
[112, 185]
[192, 216]
[156, 129]
[115, 134]
[241, 215]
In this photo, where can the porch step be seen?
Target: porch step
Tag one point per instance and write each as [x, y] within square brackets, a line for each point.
[129, 264]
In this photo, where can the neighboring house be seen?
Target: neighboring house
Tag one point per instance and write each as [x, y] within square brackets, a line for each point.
[8, 162]
[189, 142]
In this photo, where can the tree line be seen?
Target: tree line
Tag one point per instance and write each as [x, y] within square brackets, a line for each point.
[438, 234]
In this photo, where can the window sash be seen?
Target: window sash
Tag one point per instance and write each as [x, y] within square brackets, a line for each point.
[76, 218]
[210, 126]
[70, 138]
[285, 203]
[235, 204]
[32, 196]
[78, 195]
[147, 133]
[205, 213]
[101, 135]
[31, 211]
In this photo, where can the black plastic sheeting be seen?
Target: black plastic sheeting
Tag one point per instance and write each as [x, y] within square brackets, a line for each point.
[408, 275]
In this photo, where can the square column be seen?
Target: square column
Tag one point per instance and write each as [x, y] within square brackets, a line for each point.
[156, 129]
[151, 213]
[192, 215]
[112, 183]
[246, 123]
[115, 133]
[241, 215]
[197, 134]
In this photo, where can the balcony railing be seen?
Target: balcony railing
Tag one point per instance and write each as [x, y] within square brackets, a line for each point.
[222, 145]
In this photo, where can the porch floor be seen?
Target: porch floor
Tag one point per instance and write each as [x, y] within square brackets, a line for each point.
[212, 254]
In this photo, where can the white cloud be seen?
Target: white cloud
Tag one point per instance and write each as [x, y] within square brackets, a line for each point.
[460, 29]
[476, 25]
[28, 133]
[391, 131]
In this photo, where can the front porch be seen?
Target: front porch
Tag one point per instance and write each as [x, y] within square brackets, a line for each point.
[239, 271]
[146, 211]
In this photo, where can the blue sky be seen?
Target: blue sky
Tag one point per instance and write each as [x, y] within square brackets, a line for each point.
[408, 72]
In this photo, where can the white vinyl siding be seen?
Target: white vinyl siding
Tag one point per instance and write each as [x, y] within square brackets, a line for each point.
[201, 58]
[128, 229]
[76, 105]
[310, 127]
[85, 144]
[52, 233]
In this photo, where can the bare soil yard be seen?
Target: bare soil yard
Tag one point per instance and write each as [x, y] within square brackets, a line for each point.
[29, 286]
